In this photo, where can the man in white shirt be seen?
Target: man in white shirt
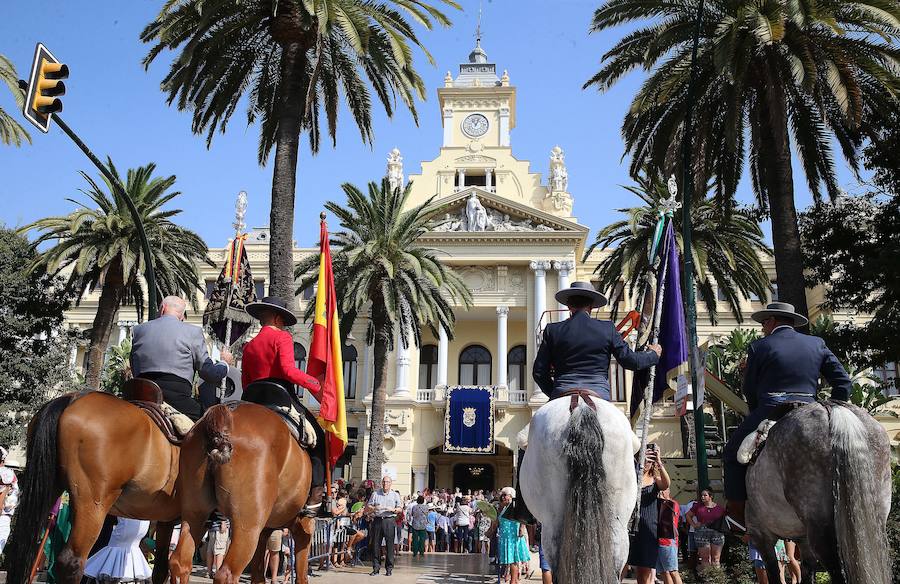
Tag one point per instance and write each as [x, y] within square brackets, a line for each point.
[384, 505]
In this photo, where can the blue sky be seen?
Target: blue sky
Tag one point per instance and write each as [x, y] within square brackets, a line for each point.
[118, 109]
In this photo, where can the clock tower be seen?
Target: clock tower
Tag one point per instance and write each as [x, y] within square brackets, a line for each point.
[478, 107]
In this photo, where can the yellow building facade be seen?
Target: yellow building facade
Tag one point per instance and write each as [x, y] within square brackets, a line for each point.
[512, 234]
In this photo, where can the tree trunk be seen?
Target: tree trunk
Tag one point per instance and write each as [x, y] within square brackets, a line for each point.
[284, 179]
[107, 311]
[379, 391]
[780, 190]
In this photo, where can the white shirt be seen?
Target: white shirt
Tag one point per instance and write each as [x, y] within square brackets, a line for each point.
[8, 478]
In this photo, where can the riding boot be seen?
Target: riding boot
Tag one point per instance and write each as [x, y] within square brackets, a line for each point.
[314, 504]
[735, 516]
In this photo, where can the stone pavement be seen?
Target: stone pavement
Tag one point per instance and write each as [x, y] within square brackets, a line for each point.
[438, 568]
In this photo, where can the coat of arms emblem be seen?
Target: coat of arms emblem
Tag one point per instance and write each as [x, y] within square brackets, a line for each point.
[469, 417]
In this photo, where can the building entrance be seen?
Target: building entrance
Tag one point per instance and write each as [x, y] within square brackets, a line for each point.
[470, 471]
[471, 477]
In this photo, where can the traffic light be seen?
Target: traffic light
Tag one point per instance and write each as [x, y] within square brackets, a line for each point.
[45, 87]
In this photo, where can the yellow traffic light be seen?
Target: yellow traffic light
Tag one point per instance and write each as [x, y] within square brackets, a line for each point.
[49, 87]
[45, 87]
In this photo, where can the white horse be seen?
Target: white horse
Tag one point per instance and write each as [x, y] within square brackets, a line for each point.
[578, 479]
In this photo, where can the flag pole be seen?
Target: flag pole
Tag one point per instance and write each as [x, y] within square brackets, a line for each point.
[240, 210]
[322, 223]
[647, 413]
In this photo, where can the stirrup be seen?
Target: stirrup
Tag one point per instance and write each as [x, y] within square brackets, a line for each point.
[311, 511]
[735, 527]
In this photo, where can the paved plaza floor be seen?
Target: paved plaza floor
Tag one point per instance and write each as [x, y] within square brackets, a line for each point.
[438, 568]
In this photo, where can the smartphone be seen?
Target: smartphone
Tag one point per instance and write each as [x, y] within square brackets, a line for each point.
[653, 446]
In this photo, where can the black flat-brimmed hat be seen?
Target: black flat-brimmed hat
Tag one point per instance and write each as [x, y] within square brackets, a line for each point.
[271, 304]
[780, 310]
[585, 289]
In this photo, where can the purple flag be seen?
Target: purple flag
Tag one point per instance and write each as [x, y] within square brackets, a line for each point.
[672, 333]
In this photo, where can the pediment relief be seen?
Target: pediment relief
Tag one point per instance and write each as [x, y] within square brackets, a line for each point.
[475, 159]
[474, 211]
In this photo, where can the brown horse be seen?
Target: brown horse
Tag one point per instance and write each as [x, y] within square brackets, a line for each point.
[243, 461]
[112, 459]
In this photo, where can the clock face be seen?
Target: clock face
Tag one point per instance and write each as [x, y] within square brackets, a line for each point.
[475, 125]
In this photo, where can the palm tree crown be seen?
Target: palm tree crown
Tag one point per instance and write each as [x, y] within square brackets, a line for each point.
[727, 248]
[10, 130]
[99, 248]
[772, 76]
[381, 268]
[291, 59]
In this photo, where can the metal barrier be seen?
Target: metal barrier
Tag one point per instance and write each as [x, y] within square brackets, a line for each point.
[330, 538]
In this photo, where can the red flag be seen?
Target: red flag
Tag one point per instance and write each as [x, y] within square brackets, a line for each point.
[325, 362]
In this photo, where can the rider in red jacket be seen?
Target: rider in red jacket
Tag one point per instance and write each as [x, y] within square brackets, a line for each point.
[269, 357]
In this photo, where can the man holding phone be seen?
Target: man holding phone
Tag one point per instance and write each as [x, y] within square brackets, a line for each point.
[384, 505]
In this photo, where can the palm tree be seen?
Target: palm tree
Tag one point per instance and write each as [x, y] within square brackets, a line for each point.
[772, 75]
[380, 268]
[10, 130]
[727, 247]
[99, 248]
[290, 58]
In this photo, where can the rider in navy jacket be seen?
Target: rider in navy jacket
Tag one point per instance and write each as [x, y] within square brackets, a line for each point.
[784, 366]
[575, 353]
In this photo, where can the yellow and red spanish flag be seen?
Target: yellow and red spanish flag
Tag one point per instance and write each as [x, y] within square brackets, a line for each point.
[325, 361]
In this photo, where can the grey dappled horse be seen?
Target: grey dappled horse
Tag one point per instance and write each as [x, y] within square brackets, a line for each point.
[824, 478]
[578, 480]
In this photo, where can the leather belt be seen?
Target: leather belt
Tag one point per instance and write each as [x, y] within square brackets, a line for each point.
[583, 393]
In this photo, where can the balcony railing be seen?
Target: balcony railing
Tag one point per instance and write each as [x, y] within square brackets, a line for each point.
[518, 397]
[424, 395]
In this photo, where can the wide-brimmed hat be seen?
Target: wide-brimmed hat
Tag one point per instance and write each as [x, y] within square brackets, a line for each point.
[271, 304]
[780, 310]
[585, 289]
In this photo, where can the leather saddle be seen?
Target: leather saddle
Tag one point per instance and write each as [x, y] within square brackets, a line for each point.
[147, 395]
[752, 446]
[277, 398]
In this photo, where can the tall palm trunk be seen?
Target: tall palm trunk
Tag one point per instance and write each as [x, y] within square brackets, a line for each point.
[785, 231]
[381, 325]
[107, 311]
[284, 179]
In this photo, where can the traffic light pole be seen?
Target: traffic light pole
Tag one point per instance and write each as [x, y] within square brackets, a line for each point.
[687, 187]
[149, 274]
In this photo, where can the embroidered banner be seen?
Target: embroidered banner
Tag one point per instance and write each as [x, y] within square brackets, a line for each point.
[469, 420]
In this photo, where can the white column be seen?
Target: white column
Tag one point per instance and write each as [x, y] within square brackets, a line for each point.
[402, 389]
[448, 127]
[443, 346]
[123, 331]
[540, 268]
[488, 179]
[461, 173]
[366, 373]
[504, 126]
[420, 478]
[502, 351]
[563, 268]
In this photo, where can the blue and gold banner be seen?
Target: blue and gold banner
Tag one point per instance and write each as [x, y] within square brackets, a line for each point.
[469, 420]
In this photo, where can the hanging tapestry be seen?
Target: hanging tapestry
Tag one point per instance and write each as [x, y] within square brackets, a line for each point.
[469, 420]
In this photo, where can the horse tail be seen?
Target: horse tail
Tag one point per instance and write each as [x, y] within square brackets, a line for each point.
[861, 538]
[40, 487]
[218, 426]
[585, 554]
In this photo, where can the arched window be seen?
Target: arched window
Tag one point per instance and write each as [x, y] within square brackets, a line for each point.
[300, 362]
[349, 355]
[515, 368]
[428, 358]
[475, 366]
